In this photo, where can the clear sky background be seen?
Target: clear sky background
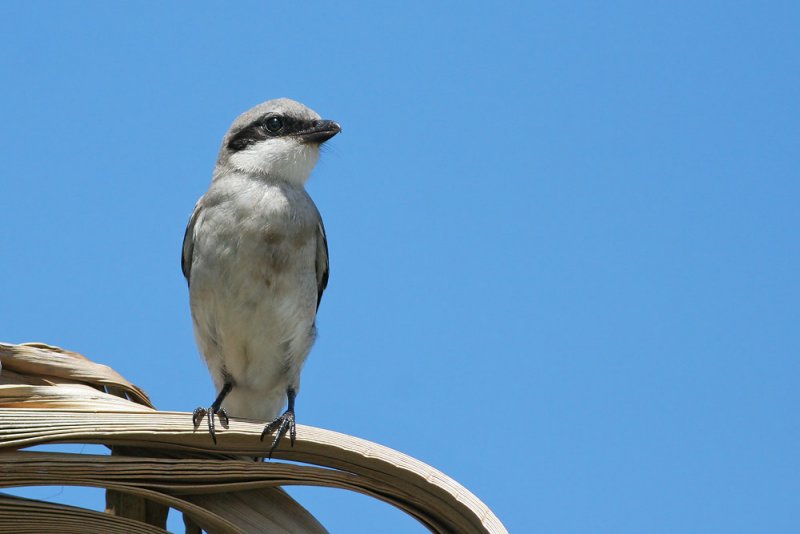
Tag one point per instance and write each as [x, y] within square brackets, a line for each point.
[564, 236]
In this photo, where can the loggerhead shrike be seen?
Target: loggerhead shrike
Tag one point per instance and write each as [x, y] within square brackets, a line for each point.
[255, 257]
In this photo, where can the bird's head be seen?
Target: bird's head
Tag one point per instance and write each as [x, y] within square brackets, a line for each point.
[278, 139]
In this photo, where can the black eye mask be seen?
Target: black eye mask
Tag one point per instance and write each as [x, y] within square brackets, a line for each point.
[271, 125]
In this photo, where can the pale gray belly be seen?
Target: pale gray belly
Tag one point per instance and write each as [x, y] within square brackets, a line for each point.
[254, 301]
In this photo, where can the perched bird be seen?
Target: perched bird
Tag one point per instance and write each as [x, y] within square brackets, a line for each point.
[255, 257]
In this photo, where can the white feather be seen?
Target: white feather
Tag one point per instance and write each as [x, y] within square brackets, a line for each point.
[285, 158]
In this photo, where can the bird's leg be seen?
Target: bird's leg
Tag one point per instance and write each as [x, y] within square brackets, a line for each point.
[283, 424]
[215, 408]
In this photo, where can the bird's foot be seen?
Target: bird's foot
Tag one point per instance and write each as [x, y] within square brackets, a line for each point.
[284, 423]
[199, 413]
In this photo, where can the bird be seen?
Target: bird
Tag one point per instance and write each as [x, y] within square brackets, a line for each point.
[255, 258]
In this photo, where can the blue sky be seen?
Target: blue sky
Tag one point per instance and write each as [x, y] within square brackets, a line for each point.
[564, 237]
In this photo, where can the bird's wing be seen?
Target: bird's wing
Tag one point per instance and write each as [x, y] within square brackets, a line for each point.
[188, 242]
[321, 261]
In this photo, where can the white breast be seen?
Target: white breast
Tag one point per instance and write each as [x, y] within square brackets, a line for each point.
[253, 289]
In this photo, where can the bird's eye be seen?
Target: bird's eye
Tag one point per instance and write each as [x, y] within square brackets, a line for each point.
[274, 124]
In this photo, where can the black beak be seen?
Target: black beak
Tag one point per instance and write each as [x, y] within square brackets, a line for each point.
[319, 131]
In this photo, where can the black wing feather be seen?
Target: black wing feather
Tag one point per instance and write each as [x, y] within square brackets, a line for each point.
[322, 263]
[188, 245]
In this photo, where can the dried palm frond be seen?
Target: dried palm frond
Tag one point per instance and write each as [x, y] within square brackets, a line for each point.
[159, 460]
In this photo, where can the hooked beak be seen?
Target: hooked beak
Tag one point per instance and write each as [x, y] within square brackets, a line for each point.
[319, 131]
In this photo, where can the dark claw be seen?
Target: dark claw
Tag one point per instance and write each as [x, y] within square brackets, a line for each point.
[197, 416]
[284, 423]
[199, 413]
[223, 417]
